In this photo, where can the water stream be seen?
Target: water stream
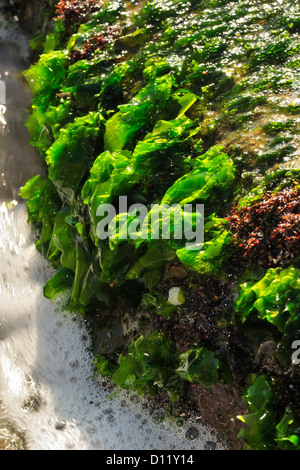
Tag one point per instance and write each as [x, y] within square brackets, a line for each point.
[50, 398]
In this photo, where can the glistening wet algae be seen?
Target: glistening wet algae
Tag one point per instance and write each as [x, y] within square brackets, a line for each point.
[147, 100]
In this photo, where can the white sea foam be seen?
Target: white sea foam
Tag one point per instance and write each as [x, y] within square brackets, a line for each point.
[48, 386]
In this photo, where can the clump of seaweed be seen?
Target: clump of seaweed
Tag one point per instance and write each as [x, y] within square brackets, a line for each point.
[96, 43]
[268, 231]
[74, 12]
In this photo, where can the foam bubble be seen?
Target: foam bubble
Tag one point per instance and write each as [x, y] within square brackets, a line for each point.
[48, 388]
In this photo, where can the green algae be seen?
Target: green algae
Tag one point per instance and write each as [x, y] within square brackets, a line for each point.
[51, 71]
[287, 435]
[263, 430]
[259, 432]
[210, 260]
[152, 363]
[134, 116]
[209, 181]
[42, 205]
[70, 156]
[149, 366]
[274, 298]
[199, 365]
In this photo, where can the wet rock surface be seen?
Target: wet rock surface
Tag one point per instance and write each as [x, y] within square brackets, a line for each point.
[34, 18]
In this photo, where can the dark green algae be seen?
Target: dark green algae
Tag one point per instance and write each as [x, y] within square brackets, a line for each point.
[174, 91]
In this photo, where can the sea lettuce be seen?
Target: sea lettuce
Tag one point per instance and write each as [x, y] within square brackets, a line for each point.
[210, 259]
[210, 180]
[166, 135]
[107, 167]
[199, 365]
[43, 202]
[59, 283]
[72, 154]
[259, 432]
[275, 298]
[45, 77]
[288, 431]
[63, 241]
[138, 113]
[149, 366]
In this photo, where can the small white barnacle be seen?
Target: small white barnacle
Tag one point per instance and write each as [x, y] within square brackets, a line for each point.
[176, 296]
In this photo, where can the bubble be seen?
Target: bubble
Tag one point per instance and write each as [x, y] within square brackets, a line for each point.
[158, 417]
[192, 433]
[179, 423]
[134, 399]
[210, 445]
